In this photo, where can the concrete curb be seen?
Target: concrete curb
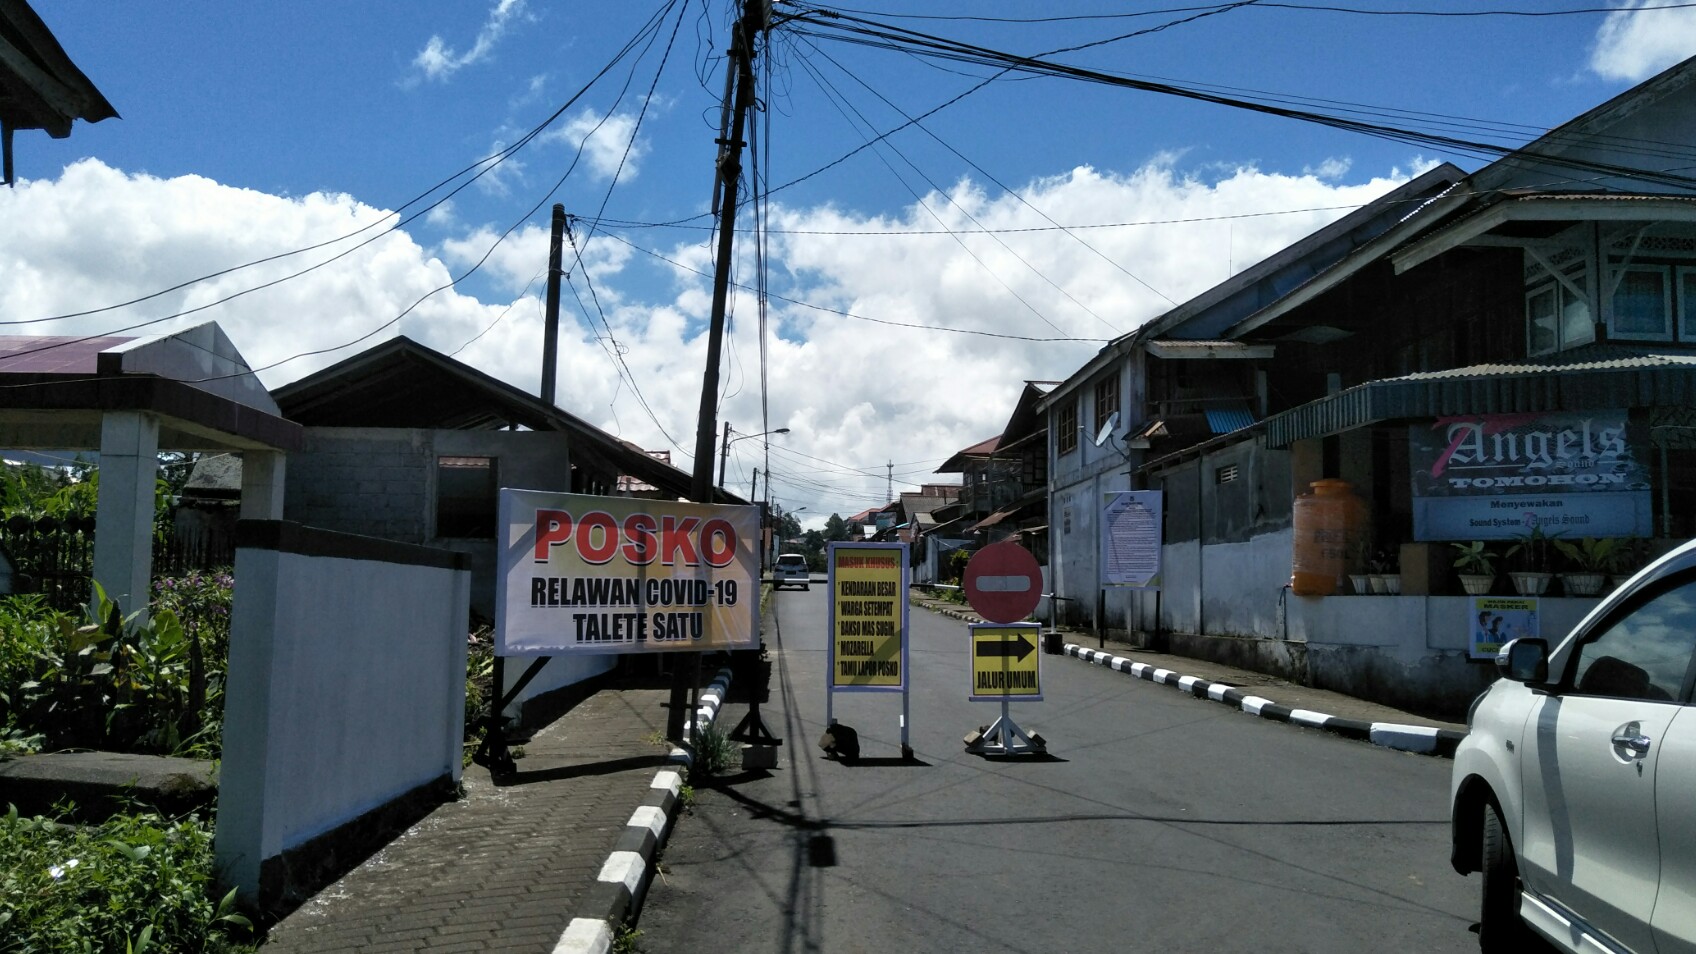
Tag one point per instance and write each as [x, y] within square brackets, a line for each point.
[625, 876]
[1419, 739]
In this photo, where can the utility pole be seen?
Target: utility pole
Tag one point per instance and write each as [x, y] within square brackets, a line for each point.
[889, 482]
[751, 24]
[728, 180]
[550, 332]
[724, 453]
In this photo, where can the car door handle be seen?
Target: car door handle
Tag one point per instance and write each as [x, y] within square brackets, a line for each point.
[1630, 738]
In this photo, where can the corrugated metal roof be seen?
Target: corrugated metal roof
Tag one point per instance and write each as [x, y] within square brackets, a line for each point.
[1569, 383]
[1587, 358]
[1227, 419]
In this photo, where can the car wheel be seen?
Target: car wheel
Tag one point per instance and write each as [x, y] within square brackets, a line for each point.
[1500, 928]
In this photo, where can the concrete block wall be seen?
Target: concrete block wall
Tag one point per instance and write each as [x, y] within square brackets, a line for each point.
[376, 482]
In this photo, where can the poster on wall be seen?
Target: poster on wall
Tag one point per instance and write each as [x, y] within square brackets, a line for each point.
[587, 574]
[1499, 476]
[1494, 620]
[1131, 538]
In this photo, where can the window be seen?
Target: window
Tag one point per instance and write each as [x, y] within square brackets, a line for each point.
[1643, 655]
[1686, 303]
[1642, 304]
[1066, 428]
[1226, 474]
[466, 497]
[1557, 317]
[1106, 399]
[1034, 472]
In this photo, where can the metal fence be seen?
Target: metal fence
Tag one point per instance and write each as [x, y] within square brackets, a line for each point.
[54, 556]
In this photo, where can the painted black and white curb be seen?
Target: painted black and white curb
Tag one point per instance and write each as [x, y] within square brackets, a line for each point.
[624, 878]
[1424, 740]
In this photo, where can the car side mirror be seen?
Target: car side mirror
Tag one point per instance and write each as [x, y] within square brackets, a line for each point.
[1524, 660]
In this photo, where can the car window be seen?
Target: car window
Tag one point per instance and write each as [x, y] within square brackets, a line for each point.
[1644, 654]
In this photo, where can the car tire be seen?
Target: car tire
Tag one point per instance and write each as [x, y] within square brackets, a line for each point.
[1500, 928]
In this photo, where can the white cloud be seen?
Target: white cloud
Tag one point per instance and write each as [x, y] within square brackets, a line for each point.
[1637, 41]
[97, 236]
[438, 61]
[856, 393]
[603, 141]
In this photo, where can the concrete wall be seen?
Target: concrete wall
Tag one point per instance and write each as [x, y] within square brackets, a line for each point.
[381, 482]
[346, 690]
[1228, 603]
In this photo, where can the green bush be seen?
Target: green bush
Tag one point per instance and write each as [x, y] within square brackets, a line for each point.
[112, 684]
[135, 883]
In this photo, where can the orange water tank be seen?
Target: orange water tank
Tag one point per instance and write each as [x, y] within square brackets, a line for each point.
[1329, 522]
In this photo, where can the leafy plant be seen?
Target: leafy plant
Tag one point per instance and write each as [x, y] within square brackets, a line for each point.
[714, 750]
[132, 883]
[1385, 561]
[1532, 551]
[1595, 554]
[110, 683]
[1475, 558]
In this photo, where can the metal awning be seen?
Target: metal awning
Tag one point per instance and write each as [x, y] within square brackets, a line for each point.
[1636, 380]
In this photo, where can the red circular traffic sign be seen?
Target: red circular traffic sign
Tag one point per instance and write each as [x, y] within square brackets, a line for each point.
[1003, 582]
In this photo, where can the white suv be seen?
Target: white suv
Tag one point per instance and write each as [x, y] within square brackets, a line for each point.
[1574, 793]
[790, 568]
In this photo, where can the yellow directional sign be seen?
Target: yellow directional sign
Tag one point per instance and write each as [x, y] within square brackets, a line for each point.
[1006, 662]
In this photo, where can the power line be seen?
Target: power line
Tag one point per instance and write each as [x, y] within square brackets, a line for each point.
[1266, 5]
[848, 314]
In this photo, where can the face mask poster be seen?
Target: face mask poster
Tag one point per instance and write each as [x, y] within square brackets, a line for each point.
[585, 574]
[1500, 476]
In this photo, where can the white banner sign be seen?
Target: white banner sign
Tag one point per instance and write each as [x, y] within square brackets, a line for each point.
[583, 574]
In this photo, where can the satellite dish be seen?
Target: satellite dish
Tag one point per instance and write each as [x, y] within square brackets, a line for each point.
[1107, 429]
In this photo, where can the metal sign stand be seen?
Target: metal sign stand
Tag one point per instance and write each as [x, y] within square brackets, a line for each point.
[831, 688]
[492, 752]
[1004, 737]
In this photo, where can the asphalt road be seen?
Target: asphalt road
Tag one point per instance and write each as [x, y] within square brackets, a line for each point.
[1158, 822]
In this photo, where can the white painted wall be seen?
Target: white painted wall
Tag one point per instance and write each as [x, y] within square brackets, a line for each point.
[346, 690]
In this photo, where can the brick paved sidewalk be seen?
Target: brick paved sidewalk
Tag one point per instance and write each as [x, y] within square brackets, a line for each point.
[505, 868]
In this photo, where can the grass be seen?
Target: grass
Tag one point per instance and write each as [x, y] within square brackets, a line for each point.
[133, 883]
[714, 751]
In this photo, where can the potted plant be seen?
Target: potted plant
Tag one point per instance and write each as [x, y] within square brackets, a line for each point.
[1357, 568]
[1476, 567]
[1626, 559]
[1532, 553]
[1384, 573]
[1590, 558]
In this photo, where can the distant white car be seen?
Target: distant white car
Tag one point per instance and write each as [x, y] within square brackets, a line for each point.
[1572, 793]
[790, 569]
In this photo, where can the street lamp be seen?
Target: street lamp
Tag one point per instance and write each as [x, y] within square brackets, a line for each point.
[724, 453]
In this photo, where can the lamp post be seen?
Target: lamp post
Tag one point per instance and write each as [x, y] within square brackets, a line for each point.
[724, 452]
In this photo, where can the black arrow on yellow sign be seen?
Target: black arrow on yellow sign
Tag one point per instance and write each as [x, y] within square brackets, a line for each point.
[1018, 647]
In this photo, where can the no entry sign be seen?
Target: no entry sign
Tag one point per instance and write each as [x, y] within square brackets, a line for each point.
[1003, 582]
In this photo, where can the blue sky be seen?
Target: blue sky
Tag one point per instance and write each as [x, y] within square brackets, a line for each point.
[249, 130]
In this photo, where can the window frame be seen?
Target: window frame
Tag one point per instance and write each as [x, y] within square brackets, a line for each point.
[1106, 398]
[1666, 332]
[1568, 685]
[1066, 427]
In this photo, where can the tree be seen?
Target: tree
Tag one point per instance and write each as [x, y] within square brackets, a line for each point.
[835, 529]
[788, 528]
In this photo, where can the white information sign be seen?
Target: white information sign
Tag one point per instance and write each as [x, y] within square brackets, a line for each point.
[1130, 538]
